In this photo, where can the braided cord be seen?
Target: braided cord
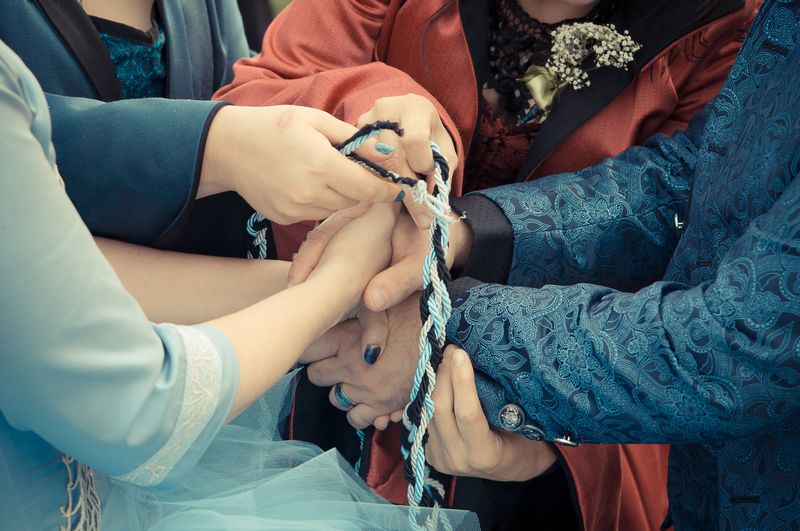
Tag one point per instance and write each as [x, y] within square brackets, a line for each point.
[435, 309]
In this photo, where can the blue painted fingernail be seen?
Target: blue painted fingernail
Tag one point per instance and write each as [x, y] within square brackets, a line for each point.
[384, 149]
[400, 196]
[371, 354]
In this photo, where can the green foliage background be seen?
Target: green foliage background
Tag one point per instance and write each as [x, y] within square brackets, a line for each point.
[277, 5]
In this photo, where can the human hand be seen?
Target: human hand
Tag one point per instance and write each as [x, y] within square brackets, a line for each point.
[357, 251]
[421, 123]
[281, 160]
[409, 245]
[461, 443]
[382, 388]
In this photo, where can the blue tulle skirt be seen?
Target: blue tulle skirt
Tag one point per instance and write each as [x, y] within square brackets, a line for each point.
[251, 479]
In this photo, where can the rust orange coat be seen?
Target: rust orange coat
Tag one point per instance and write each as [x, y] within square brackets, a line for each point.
[340, 56]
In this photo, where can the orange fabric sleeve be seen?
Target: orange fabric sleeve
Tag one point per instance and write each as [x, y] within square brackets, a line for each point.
[700, 62]
[323, 55]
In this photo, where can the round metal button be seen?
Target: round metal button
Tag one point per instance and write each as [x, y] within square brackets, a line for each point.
[511, 417]
[532, 432]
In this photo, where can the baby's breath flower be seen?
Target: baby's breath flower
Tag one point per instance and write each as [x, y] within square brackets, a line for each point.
[574, 43]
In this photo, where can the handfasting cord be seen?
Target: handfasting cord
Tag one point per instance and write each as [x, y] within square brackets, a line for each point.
[438, 204]
[257, 244]
[435, 309]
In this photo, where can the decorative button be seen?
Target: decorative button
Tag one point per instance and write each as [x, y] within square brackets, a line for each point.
[532, 432]
[679, 224]
[511, 417]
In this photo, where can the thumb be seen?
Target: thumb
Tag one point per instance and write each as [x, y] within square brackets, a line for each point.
[471, 420]
[374, 333]
[335, 130]
[393, 285]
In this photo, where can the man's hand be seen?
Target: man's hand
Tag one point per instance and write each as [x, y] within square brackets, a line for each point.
[461, 443]
[384, 387]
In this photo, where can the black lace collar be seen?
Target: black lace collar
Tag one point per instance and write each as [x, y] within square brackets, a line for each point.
[517, 41]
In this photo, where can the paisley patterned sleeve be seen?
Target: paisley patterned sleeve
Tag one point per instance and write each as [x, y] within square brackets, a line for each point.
[614, 221]
[670, 363]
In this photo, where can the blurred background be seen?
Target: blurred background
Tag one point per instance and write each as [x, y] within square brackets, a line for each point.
[277, 5]
[257, 15]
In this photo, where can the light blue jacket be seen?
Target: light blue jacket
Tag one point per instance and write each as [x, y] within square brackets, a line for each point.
[131, 167]
[708, 356]
[82, 371]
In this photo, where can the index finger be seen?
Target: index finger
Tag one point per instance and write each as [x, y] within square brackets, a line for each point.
[416, 141]
[356, 182]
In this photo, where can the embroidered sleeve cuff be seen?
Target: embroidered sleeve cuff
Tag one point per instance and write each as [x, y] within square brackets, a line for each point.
[493, 243]
[209, 387]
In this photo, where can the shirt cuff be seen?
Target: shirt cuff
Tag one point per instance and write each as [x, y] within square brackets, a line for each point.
[172, 234]
[493, 239]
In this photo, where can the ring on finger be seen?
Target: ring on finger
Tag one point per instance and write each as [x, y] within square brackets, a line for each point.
[344, 401]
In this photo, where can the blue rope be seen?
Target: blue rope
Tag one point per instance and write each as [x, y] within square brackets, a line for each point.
[362, 437]
[257, 229]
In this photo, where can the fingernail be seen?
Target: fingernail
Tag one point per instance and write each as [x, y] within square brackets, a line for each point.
[379, 298]
[371, 354]
[294, 257]
[400, 196]
[384, 149]
[459, 358]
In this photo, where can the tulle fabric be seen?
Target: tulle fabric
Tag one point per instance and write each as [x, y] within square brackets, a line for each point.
[251, 479]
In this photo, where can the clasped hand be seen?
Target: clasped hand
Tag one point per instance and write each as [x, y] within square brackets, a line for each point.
[461, 441]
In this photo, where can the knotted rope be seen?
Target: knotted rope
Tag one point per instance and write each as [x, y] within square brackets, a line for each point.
[258, 226]
[435, 310]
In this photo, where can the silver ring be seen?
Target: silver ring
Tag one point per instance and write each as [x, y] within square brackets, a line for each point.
[345, 401]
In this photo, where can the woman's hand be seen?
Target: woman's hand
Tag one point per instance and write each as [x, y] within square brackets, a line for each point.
[281, 160]
[272, 335]
[359, 250]
[461, 442]
[409, 245]
[421, 123]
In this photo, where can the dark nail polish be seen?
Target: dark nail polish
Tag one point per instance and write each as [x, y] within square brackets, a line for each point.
[400, 196]
[371, 354]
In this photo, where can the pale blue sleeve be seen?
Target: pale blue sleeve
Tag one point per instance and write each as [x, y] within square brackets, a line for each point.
[80, 364]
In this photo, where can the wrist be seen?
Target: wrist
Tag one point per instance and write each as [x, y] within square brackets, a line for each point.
[461, 239]
[213, 172]
[335, 283]
[523, 459]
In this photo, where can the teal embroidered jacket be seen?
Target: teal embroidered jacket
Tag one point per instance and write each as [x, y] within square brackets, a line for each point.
[655, 297]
